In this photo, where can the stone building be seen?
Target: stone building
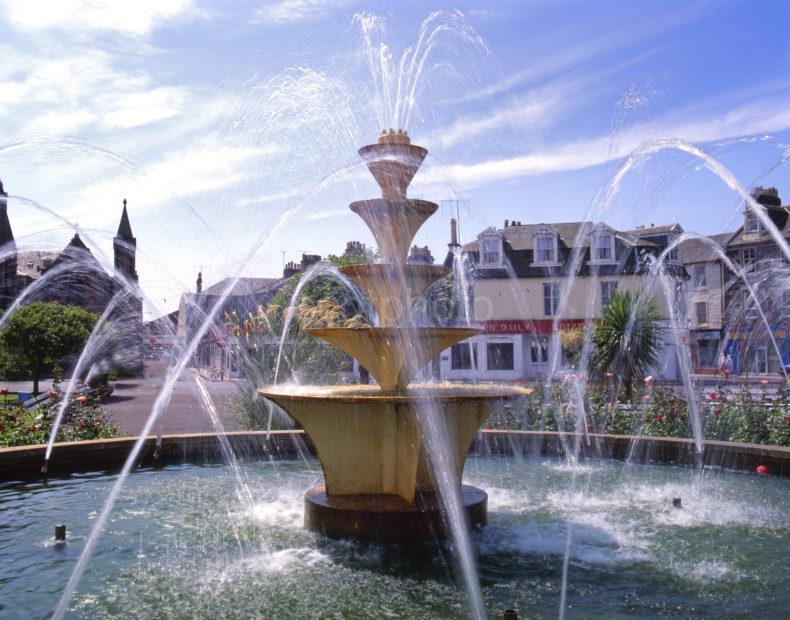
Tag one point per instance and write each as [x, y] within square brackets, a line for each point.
[75, 277]
[756, 331]
[705, 299]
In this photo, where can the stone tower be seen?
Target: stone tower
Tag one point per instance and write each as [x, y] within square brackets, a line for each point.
[124, 246]
[8, 258]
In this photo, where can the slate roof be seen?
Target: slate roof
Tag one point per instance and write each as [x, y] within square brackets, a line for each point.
[518, 246]
[244, 286]
[699, 251]
[780, 217]
[31, 263]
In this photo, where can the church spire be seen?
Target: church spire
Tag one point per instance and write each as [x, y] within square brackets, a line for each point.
[124, 247]
[125, 228]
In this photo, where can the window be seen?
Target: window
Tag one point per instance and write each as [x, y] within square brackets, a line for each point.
[749, 305]
[672, 255]
[500, 356]
[786, 304]
[551, 298]
[702, 312]
[539, 353]
[751, 225]
[707, 353]
[761, 360]
[700, 279]
[491, 251]
[545, 248]
[603, 247]
[463, 356]
[608, 289]
[748, 256]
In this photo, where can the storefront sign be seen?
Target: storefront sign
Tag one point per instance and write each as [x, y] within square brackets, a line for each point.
[540, 326]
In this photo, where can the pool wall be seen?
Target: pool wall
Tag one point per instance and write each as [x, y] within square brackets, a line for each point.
[25, 462]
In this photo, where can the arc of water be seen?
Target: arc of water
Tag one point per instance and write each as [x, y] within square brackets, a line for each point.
[84, 356]
[164, 396]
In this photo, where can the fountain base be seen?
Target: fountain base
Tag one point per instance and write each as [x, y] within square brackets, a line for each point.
[387, 518]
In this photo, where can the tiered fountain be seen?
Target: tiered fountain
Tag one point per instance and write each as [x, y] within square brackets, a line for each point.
[378, 476]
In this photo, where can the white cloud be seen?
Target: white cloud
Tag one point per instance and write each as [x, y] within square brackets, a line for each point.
[141, 108]
[133, 18]
[294, 11]
[764, 116]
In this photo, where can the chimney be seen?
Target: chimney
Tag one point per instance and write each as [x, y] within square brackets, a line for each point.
[506, 223]
[199, 282]
[453, 233]
[767, 196]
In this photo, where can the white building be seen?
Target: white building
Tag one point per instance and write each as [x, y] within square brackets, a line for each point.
[523, 294]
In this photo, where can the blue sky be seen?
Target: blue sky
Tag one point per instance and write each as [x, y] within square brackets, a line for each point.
[223, 123]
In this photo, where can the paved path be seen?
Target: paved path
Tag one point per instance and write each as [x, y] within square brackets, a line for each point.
[133, 399]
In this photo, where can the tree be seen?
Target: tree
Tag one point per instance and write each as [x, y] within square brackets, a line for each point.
[627, 338]
[41, 334]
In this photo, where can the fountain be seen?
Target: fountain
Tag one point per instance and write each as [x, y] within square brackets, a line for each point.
[378, 479]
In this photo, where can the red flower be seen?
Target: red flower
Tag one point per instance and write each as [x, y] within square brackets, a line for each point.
[714, 396]
[52, 394]
[764, 382]
[82, 399]
[646, 397]
[33, 428]
[761, 469]
[4, 390]
[659, 418]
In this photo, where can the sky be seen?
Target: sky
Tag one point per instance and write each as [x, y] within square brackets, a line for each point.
[231, 127]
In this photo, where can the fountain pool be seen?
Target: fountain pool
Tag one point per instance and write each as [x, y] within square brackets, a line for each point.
[181, 543]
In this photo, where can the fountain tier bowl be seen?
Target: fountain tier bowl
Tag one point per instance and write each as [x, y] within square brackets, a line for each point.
[182, 543]
[393, 355]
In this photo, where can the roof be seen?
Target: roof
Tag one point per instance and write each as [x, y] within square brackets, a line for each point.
[244, 286]
[780, 216]
[699, 249]
[646, 231]
[518, 247]
[31, 263]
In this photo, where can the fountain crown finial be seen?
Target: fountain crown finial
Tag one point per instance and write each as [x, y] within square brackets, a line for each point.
[394, 136]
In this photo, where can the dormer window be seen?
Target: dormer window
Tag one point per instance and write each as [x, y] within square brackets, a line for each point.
[602, 250]
[490, 248]
[751, 224]
[545, 247]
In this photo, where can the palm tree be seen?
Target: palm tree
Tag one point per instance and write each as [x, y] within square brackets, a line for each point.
[627, 339]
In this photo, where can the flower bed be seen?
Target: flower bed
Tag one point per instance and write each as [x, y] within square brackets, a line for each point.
[725, 414]
[84, 419]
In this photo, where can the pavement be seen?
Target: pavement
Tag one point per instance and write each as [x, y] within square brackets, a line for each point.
[132, 402]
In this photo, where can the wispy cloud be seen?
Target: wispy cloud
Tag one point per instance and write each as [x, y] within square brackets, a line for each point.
[758, 117]
[134, 18]
[295, 11]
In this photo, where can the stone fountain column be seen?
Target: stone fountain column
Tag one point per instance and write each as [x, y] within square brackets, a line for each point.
[378, 479]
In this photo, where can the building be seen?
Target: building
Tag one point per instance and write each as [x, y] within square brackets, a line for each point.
[757, 314]
[530, 281]
[75, 277]
[215, 352]
[702, 258]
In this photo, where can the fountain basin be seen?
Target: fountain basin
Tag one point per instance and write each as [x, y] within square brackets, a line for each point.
[183, 544]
